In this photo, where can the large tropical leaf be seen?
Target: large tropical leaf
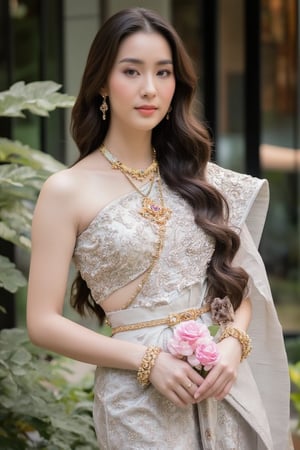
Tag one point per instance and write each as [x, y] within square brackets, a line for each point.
[18, 153]
[15, 225]
[38, 97]
[19, 187]
[18, 182]
[11, 278]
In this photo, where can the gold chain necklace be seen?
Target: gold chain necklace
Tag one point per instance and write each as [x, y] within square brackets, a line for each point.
[157, 213]
[151, 210]
[143, 194]
[137, 174]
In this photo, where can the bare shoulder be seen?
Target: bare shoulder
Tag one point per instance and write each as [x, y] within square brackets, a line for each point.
[67, 186]
[63, 183]
[56, 199]
[76, 194]
[81, 191]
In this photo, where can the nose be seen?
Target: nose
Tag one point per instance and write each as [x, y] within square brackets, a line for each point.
[148, 87]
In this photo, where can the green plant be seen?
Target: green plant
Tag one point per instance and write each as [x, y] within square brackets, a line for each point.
[292, 345]
[23, 170]
[39, 408]
[295, 395]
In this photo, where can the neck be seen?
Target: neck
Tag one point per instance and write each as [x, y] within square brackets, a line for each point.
[132, 150]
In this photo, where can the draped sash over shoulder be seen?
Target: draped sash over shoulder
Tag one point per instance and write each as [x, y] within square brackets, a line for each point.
[116, 248]
[268, 362]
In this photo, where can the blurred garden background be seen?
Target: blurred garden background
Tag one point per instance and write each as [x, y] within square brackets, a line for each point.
[247, 54]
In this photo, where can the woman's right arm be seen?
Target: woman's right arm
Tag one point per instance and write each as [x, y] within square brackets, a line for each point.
[54, 231]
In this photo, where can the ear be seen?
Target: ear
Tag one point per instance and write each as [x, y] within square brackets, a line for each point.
[103, 91]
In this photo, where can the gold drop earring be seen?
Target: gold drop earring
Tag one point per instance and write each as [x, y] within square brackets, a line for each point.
[104, 107]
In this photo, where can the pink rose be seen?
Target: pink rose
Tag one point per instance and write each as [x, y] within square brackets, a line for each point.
[179, 348]
[194, 362]
[191, 331]
[193, 342]
[207, 354]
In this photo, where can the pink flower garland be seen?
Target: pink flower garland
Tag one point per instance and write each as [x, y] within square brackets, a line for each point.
[193, 342]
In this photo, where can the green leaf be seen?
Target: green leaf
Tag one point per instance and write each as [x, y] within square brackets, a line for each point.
[213, 329]
[11, 278]
[16, 218]
[9, 391]
[38, 97]
[12, 338]
[15, 225]
[294, 370]
[3, 365]
[295, 397]
[15, 152]
[19, 182]
[21, 356]
[10, 106]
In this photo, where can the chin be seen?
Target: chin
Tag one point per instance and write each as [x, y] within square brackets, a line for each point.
[148, 124]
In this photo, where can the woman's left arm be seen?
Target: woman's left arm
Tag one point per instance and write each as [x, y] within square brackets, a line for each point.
[221, 377]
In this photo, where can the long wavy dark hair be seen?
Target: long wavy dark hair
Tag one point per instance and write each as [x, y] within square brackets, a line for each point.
[182, 144]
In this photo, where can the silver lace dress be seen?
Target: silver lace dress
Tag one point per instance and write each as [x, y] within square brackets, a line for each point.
[116, 248]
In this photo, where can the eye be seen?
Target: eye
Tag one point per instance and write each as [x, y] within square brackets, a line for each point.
[164, 73]
[131, 72]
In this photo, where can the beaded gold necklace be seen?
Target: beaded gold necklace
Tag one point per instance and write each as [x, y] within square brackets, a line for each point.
[150, 209]
[159, 214]
[137, 174]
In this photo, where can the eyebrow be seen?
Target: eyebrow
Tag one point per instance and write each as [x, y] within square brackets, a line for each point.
[140, 61]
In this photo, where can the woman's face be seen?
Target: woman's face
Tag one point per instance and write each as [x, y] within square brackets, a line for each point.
[142, 82]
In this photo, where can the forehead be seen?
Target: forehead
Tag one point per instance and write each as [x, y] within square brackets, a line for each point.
[145, 45]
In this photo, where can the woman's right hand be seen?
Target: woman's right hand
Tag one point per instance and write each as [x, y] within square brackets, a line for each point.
[175, 379]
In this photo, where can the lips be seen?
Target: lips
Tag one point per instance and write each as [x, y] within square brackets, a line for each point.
[146, 110]
[146, 107]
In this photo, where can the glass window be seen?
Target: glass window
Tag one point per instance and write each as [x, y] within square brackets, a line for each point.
[280, 155]
[187, 19]
[36, 47]
[230, 85]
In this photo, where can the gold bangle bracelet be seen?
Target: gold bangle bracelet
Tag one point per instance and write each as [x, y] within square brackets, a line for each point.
[147, 364]
[241, 336]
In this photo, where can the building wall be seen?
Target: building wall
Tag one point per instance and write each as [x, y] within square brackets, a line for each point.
[81, 23]
[162, 6]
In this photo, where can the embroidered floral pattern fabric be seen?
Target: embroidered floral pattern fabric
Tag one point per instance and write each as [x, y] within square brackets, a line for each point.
[118, 244]
[117, 247]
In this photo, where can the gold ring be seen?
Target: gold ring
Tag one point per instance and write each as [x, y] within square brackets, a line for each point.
[188, 385]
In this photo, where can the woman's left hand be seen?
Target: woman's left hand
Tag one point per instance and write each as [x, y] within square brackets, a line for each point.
[221, 377]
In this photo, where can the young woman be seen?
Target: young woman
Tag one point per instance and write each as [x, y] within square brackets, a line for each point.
[157, 233]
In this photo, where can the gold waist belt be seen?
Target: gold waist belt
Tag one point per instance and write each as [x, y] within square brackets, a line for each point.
[171, 320]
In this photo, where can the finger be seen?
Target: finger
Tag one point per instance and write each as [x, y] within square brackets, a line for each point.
[186, 397]
[207, 385]
[223, 392]
[195, 377]
[188, 384]
[217, 390]
[218, 384]
[212, 385]
[180, 397]
[190, 387]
